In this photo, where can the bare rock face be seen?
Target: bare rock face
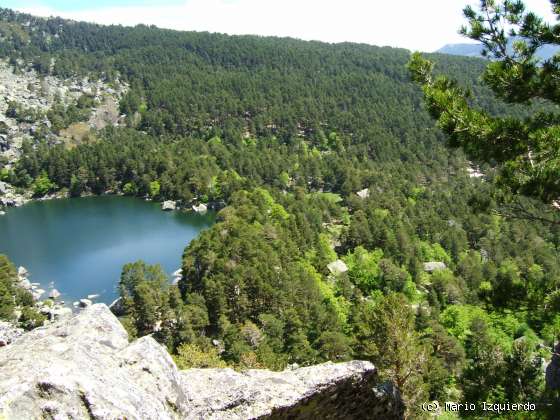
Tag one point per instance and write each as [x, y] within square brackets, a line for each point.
[432, 266]
[8, 333]
[33, 91]
[84, 367]
[327, 391]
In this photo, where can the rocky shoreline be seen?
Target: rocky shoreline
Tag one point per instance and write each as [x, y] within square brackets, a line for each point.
[53, 308]
[10, 197]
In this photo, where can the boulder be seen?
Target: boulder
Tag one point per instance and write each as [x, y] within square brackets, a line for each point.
[201, 208]
[12, 200]
[37, 293]
[169, 205]
[337, 267]
[4, 188]
[432, 266]
[117, 307]
[84, 367]
[474, 172]
[84, 303]
[22, 272]
[363, 194]
[54, 294]
[26, 284]
[177, 276]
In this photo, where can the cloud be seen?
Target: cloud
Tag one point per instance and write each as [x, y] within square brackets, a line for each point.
[417, 25]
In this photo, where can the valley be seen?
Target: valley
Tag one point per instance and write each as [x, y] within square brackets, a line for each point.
[349, 226]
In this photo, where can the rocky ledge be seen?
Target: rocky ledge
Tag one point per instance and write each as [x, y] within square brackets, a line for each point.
[84, 367]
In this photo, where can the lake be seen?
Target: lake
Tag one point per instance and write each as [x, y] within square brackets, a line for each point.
[81, 244]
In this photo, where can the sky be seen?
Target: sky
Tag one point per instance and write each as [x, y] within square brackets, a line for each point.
[424, 25]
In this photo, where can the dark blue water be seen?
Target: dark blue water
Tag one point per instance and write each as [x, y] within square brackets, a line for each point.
[81, 244]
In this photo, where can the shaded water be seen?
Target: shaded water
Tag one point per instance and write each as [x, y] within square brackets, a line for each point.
[81, 244]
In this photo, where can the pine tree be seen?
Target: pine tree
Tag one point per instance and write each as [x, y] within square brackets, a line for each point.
[527, 150]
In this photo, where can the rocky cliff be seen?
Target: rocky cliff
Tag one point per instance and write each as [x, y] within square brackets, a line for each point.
[40, 93]
[85, 367]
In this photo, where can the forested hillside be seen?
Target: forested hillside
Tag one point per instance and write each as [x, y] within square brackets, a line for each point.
[284, 134]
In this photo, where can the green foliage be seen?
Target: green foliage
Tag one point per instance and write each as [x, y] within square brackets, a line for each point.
[155, 188]
[7, 279]
[432, 252]
[43, 185]
[130, 189]
[400, 353]
[447, 359]
[4, 174]
[143, 290]
[526, 149]
[334, 345]
[448, 288]
[12, 296]
[62, 116]
[31, 318]
[458, 319]
[192, 356]
[21, 114]
[363, 269]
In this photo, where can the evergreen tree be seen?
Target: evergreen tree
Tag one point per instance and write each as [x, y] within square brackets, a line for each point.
[527, 150]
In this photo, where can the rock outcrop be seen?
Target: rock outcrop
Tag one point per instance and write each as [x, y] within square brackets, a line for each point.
[8, 333]
[337, 267]
[40, 93]
[84, 367]
[201, 208]
[169, 205]
[327, 391]
[432, 266]
[363, 194]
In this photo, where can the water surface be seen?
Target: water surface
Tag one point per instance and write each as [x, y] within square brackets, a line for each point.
[81, 244]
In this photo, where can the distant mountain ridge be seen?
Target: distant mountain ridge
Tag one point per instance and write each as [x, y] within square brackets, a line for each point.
[475, 50]
[467, 50]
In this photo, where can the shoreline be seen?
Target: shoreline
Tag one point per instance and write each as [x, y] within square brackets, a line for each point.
[10, 199]
[46, 298]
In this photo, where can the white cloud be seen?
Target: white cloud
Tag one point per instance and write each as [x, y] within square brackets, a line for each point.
[424, 25]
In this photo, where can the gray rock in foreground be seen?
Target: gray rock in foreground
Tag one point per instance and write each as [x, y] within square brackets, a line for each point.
[84, 367]
[8, 333]
[327, 391]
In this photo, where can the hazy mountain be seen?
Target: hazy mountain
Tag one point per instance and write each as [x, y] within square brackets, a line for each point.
[475, 50]
[467, 50]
